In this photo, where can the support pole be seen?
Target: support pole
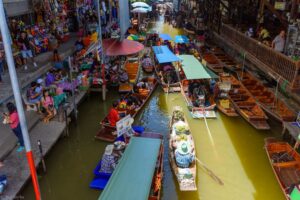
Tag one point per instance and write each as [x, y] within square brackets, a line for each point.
[42, 156]
[73, 90]
[18, 100]
[102, 52]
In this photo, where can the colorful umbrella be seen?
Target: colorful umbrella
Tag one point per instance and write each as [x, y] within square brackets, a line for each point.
[181, 39]
[140, 4]
[140, 10]
[113, 47]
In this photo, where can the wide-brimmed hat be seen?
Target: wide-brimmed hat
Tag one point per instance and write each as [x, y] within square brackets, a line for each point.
[183, 148]
[109, 149]
[39, 81]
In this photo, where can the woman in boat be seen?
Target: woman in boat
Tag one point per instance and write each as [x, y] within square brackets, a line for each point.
[123, 76]
[184, 155]
[109, 160]
[113, 115]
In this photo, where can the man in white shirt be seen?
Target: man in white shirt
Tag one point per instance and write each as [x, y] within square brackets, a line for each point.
[278, 42]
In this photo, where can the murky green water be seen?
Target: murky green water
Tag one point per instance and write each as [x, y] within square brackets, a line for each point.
[233, 150]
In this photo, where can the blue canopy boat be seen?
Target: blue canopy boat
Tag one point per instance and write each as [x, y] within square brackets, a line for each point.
[168, 78]
[138, 174]
[164, 36]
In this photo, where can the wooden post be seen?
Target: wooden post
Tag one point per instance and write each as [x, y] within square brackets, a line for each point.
[294, 9]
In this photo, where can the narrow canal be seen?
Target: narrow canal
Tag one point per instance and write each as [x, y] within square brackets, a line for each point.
[234, 151]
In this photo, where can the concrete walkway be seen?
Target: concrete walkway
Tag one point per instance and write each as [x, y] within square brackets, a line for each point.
[15, 164]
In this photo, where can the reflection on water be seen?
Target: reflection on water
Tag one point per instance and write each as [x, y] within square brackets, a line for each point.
[234, 152]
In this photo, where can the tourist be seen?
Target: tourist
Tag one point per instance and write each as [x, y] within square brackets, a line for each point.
[48, 105]
[279, 42]
[113, 115]
[183, 155]
[57, 61]
[109, 161]
[249, 32]
[264, 35]
[34, 95]
[25, 46]
[79, 44]
[12, 119]
[50, 78]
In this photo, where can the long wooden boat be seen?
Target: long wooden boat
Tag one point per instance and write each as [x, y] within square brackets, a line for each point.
[222, 99]
[210, 60]
[193, 72]
[162, 77]
[107, 132]
[245, 104]
[285, 162]
[226, 60]
[136, 177]
[163, 57]
[186, 177]
[267, 100]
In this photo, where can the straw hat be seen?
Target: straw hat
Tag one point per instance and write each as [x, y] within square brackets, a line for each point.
[183, 148]
[109, 149]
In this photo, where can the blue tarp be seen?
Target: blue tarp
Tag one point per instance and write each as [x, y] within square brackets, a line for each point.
[181, 39]
[164, 54]
[165, 36]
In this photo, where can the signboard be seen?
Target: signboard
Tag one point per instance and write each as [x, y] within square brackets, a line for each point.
[280, 5]
[124, 125]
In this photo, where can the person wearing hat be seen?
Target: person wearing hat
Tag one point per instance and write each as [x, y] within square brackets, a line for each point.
[183, 155]
[109, 161]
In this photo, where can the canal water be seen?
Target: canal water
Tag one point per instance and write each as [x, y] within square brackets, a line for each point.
[232, 149]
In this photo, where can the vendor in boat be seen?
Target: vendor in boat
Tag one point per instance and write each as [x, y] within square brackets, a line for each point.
[142, 83]
[147, 62]
[109, 160]
[144, 91]
[123, 76]
[184, 155]
[113, 115]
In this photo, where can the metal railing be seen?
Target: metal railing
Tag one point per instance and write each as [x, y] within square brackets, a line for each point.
[282, 65]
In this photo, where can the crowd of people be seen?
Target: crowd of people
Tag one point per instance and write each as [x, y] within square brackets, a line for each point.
[264, 36]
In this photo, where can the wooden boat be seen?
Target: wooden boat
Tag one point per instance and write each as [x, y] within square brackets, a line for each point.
[226, 60]
[223, 101]
[193, 72]
[167, 76]
[245, 104]
[210, 60]
[164, 76]
[267, 100]
[285, 162]
[134, 172]
[106, 133]
[186, 177]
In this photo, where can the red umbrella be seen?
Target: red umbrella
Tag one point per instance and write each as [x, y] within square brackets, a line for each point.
[113, 47]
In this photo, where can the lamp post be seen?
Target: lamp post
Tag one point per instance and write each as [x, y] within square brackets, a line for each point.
[18, 100]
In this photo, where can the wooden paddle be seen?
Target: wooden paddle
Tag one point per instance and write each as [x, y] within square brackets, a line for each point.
[210, 172]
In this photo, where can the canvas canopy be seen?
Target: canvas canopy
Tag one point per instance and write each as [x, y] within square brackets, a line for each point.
[165, 36]
[193, 69]
[164, 54]
[182, 39]
[132, 177]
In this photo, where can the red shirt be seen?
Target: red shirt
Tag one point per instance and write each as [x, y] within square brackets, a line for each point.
[14, 118]
[113, 117]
